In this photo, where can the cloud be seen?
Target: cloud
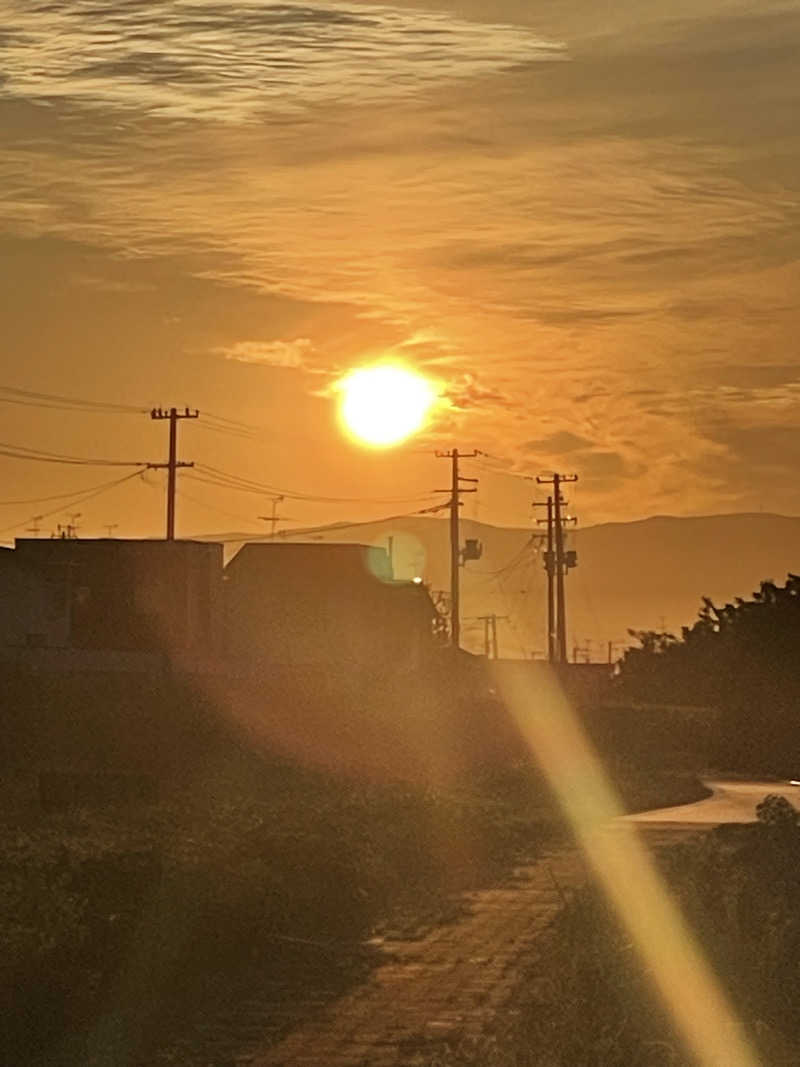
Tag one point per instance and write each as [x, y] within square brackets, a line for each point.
[468, 394]
[557, 443]
[608, 246]
[271, 353]
[112, 285]
[230, 60]
[597, 464]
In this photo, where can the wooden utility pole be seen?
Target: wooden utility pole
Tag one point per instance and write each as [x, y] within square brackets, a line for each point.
[172, 464]
[273, 518]
[490, 646]
[455, 492]
[561, 621]
[549, 566]
[562, 560]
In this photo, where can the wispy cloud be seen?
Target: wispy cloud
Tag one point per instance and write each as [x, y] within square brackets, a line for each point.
[212, 59]
[271, 353]
[589, 253]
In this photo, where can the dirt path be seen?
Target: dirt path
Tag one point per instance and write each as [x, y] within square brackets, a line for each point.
[444, 987]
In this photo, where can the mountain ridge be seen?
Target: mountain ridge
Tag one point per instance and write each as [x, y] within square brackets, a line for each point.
[649, 573]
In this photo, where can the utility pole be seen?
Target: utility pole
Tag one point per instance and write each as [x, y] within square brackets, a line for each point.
[490, 648]
[456, 556]
[584, 651]
[36, 528]
[273, 518]
[549, 566]
[562, 560]
[111, 527]
[172, 464]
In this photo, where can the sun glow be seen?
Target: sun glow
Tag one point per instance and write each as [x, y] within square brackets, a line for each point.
[383, 405]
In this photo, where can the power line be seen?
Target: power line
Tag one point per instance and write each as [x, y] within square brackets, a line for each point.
[226, 431]
[364, 522]
[37, 455]
[36, 399]
[519, 557]
[211, 507]
[54, 496]
[233, 423]
[225, 480]
[507, 601]
[333, 528]
[487, 468]
[56, 401]
[79, 500]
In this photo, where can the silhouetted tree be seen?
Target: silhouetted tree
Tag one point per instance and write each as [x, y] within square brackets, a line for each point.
[742, 658]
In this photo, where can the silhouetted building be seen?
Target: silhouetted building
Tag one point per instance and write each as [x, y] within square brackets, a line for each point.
[324, 604]
[26, 616]
[124, 595]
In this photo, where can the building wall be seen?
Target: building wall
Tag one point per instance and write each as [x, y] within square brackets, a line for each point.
[317, 604]
[27, 614]
[142, 596]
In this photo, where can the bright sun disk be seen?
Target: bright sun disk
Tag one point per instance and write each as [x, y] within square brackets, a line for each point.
[383, 405]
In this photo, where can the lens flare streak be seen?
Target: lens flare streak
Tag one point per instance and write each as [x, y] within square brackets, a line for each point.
[689, 988]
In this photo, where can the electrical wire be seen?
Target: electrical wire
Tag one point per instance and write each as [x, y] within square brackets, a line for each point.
[518, 558]
[55, 401]
[211, 507]
[227, 431]
[46, 499]
[235, 424]
[489, 469]
[40, 456]
[334, 528]
[224, 479]
[80, 499]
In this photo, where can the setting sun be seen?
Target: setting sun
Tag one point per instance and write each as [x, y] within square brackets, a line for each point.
[383, 405]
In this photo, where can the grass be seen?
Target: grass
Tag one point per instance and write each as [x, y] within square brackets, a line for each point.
[587, 1000]
[122, 928]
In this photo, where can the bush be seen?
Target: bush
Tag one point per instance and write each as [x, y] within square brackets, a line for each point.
[776, 812]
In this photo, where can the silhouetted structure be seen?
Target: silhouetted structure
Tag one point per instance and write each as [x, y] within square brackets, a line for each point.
[125, 595]
[25, 604]
[557, 562]
[324, 604]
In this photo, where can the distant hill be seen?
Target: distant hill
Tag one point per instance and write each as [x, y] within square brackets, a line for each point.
[631, 575]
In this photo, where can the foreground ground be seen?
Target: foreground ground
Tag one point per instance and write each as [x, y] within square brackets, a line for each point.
[207, 927]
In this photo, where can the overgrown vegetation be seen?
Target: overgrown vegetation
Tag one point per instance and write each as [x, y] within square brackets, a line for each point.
[743, 659]
[117, 927]
[588, 1002]
[126, 926]
[122, 927]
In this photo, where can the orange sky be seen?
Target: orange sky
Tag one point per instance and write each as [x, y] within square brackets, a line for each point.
[584, 225]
